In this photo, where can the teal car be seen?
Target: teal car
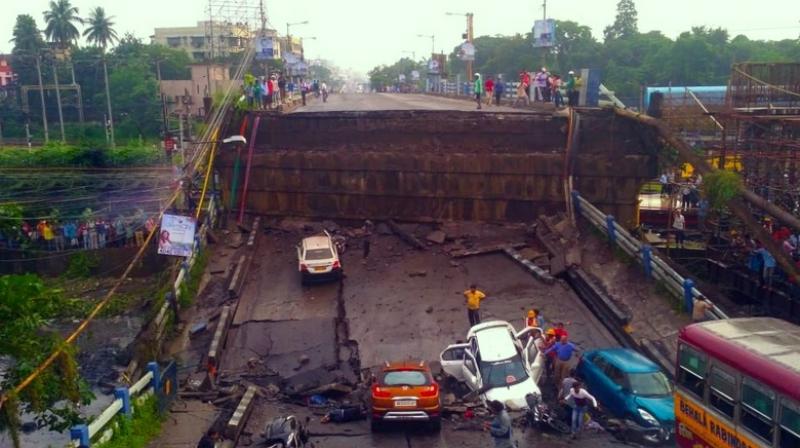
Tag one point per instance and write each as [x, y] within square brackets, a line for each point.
[631, 387]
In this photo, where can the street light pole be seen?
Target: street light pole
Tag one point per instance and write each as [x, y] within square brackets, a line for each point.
[470, 36]
[41, 94]
[433, 41]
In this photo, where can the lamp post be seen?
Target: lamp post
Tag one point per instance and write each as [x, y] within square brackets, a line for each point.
[468, 35]
[288, 31]
[432, 37]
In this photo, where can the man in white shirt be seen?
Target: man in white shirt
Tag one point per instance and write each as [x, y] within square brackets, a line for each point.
[679, 225]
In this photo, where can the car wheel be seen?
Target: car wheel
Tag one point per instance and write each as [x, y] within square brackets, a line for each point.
[436, 424]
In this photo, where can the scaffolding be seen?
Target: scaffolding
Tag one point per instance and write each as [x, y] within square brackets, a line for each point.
[232, 24]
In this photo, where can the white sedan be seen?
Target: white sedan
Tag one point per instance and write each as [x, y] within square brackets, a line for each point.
[497, 362]
[318, 259]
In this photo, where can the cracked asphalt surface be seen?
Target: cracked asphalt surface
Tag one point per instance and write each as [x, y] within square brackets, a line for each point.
[390, 315]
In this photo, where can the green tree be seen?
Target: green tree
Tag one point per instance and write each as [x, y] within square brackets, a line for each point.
[99, 31]
[25, 307]
[61, 19]
[626, 24]
[28, 43]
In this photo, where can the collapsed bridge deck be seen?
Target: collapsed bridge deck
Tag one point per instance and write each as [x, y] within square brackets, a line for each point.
[441, 165]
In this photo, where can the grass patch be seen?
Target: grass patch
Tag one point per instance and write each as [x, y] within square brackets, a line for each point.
[139, 430]
[56, 154]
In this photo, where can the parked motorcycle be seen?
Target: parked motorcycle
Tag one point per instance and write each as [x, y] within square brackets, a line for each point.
[539, 415]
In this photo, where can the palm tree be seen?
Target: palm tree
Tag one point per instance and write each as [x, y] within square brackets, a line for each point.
[62, 31]
[60, 27]
[99, 31]
[101, 34]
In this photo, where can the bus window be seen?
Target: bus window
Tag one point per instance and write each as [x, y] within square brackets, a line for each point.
[790, 425]
[692, 369]
[758, 405]
[722, 391]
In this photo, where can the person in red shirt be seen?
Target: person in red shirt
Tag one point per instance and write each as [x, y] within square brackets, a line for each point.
[489, 87]
[525, 79]
[561, 331]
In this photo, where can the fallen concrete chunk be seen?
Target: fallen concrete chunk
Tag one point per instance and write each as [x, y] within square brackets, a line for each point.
[437, 236]
[537, 272]
[485, 249]
[241, 414]
[408, 238]
[197, 328]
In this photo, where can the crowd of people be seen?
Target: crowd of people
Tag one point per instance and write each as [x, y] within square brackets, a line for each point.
[541, 86]
[760, 262]
[269, 93]
[74, 234]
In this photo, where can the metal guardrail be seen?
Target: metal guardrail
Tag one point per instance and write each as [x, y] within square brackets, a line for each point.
[99, 429]
[653, 265]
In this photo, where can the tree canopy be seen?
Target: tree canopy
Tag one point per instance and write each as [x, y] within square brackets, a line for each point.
[626, 24]
[61, 19]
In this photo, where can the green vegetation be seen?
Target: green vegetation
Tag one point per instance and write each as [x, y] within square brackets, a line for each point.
[26, 306]
[139, 430]
[56, 154]
[721, 186]
[81, 265]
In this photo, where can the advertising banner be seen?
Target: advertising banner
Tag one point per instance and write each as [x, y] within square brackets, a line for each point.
[436, 64]
[176, 235]
[264, 48]
[415, 75]
[466, 52]
[544, 33]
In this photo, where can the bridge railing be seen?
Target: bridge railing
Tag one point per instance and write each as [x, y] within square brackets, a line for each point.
[653, 266]
[161, 383]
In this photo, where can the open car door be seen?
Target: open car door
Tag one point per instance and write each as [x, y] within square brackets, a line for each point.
[534, 359]
[452, 360]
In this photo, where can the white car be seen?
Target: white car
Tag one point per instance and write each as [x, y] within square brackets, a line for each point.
[497, 362]
[318, 259]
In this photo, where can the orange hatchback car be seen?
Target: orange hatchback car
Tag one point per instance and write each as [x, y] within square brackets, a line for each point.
[405, 391]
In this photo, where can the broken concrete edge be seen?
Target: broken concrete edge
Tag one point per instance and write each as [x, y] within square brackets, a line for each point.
[620, 317]
[253, 232]
[239, 418]
[485, 250]
[537, 272]
[655, 354]
[233, 290]
[215, 349]
[408, 238]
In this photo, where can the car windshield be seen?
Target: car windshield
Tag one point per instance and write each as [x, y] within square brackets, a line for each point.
[503, 373]
[651, 384]
[319, 254]
[405, 378]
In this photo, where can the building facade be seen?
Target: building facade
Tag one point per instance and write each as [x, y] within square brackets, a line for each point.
[206, 40]
[186, 96]
[6, 74]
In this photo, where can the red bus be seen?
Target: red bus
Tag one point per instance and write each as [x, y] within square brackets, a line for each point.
[738, 384]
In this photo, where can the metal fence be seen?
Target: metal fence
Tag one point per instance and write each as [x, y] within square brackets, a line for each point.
[653, 266]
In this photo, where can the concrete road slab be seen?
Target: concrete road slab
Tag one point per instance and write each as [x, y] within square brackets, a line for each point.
[272, 290]
[395, 101]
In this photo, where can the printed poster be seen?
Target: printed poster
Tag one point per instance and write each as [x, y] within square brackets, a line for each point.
[176, 235]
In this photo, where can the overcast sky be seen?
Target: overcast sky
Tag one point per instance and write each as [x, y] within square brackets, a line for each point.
[360, 34]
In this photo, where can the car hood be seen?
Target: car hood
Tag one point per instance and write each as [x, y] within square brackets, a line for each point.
[514, 396]
[662, 408]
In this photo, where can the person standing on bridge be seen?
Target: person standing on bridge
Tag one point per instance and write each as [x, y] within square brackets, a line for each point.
[489, 87]
[679, 225]
[478, 88]
[499, 89]
[474, 298]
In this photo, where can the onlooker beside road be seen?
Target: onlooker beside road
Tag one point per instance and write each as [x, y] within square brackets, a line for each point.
[474, 297]
[700, 305]
[500, 427]
[499, 89]
[581, 398]
[209, 439]
[478, 88]
[572, 89]
[679, 224]
[489, 88]
[564, 351]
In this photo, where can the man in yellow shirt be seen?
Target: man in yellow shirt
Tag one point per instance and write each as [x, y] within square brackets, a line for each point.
[474, 297]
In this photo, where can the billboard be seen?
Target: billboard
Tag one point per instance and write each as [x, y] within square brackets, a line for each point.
[466, 52]
[436, 64]
[176, 235]
[265, 48]
[544, 33]
[415, 75]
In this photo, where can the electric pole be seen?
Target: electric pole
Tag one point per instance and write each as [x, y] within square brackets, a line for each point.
[58, 100]
[41, 94]
[469, 39]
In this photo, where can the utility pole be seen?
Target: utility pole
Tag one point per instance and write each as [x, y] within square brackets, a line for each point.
[469, 39]
[544, 49]
[110, 123]
[41, 95]
[58, 101]
[165, 125]
[80, 94]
